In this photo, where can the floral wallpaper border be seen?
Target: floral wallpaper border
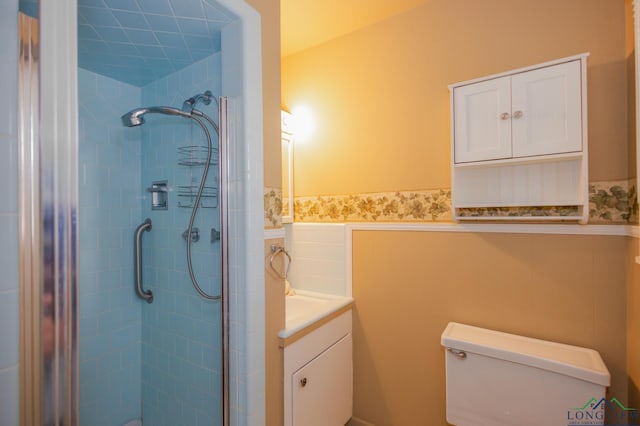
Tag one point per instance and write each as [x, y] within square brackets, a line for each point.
[610, 202]
[405, 206]
[272, 208]
[613, 202]
[533, 212]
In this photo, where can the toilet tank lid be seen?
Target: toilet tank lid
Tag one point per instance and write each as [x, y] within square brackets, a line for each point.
[581, 363]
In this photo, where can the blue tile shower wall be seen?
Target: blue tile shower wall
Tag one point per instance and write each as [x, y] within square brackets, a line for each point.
[180, 330]
[109, 211]
[9, 285]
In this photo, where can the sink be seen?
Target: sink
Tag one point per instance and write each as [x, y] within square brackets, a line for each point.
[308, 307]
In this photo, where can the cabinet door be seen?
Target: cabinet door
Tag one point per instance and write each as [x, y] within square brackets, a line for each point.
[546, 110]
[482, 128]
[323, 388]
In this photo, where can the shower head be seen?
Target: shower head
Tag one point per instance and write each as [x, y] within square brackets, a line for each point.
[136, 117]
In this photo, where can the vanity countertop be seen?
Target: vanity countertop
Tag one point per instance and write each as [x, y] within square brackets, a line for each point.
[308, 308]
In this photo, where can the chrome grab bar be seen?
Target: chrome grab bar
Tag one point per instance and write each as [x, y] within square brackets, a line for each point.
[137, 260]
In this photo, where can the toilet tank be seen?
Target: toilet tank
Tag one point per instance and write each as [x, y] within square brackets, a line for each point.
[496, 378]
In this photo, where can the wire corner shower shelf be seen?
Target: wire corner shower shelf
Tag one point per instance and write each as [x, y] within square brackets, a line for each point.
[196, 156]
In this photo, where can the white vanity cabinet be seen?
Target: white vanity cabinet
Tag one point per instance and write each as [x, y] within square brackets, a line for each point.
[519, 141]
[318, 375]
[322, 388]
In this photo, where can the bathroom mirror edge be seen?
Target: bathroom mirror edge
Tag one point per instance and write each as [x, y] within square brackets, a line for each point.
[287, 168]
[636, 28]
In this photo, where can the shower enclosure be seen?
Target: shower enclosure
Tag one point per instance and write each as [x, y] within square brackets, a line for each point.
[162, 361]
[166, 211]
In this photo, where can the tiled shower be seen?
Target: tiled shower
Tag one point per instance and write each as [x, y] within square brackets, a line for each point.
[109, 205]
[181, 341]
[160, 359]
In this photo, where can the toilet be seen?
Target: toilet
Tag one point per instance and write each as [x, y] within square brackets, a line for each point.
[496, 379]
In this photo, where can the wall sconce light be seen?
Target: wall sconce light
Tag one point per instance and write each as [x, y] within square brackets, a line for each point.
[304, 123]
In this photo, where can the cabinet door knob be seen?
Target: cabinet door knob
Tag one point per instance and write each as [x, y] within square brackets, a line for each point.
[518, 114]
[504, 116]
[303, 382]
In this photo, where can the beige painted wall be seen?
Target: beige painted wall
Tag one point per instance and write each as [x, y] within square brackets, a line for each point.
[380, 97]
[633, 324]
[633, 278]
[273, 323]
[270, 25]
[631, 87]
[408, 285]
[274, 289]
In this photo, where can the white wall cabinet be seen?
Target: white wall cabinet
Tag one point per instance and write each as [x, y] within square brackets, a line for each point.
[482, 124]
[519, 140]
[530, 113]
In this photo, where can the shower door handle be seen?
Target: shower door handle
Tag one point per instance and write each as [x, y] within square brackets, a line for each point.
[137, 260]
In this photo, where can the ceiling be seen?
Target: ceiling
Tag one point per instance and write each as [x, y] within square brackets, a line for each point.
[139, 41]
[307, 23]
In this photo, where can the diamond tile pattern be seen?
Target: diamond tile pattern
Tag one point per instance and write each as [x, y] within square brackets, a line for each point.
[140, 41]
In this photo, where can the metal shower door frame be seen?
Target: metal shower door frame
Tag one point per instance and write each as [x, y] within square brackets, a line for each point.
[29, 220]
[48, 200]
[223, 196]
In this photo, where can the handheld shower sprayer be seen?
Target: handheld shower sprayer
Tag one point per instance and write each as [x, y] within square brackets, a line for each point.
[136, 117]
